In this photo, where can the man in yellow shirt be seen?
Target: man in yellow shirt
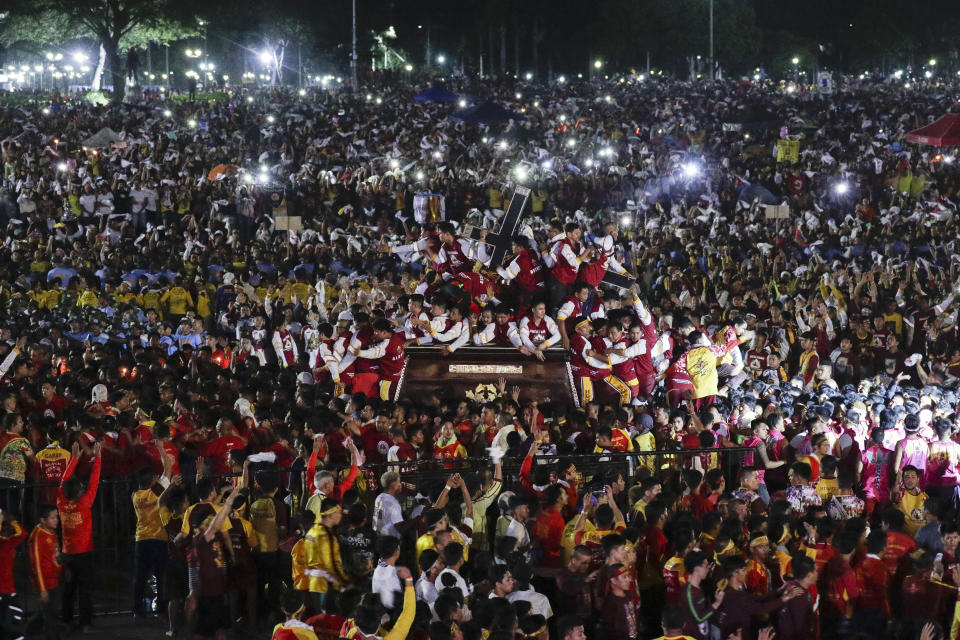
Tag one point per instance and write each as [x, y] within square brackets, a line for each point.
[150, 546]
[322, 553]
[176, 300]
[910, 501]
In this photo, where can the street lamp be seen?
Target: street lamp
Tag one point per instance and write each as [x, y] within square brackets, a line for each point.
[441, 59]
[795, 60]
[193, 53]
[933, 62]
[598, 64]
[408, 67]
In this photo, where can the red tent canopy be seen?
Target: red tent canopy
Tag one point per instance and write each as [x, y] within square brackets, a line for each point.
[945, 132]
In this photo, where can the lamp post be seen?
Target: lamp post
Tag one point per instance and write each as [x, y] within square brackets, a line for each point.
[353, 54]
[712, 67]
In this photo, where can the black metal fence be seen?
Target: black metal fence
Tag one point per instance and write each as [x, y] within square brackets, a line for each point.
[114, 520]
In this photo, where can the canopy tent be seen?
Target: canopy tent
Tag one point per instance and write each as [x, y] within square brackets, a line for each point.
[436, 94]
[103, 138]
[945, 132]
[486, 113]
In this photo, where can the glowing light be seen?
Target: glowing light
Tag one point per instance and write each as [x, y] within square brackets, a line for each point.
[571, 143]
[265, 57]
[608, 98]
[503, 144]
[518, 95]
[394, 163]
[949, 159]
[271, 119]
[841, 188]
[927, 74]
[191, 123]
[520, 172]
[249, 98]
[589, 162]
[791, 89]
[933, 62]
[484, 139]
[79, 56]
[437, 155]
[167, 113]
[528, 76]
[597, 64]
[408, 67]
[379, 100]
[441, 59]
[562, 79]
[248, 178]
[263, 178]
[795, 60]
[419, 175]
[691, 170]
[563, 118]
[46, 111]
[547, 164]
[626, 220]
[302, 92]
[62, 166]
[462, 103]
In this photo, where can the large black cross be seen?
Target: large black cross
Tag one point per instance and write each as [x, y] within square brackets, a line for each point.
[502, 239]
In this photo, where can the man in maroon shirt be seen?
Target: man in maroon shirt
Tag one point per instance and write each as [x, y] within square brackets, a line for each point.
[621, 607]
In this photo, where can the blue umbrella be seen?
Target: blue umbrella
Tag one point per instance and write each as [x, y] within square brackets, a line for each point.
[749, 192]
[488, 112]
[435, 94]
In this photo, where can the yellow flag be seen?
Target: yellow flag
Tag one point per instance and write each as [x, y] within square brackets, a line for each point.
[788, 151]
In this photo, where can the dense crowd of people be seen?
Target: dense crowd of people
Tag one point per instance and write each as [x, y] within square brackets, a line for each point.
[214, 303]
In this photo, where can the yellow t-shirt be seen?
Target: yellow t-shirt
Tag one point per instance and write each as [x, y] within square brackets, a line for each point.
[646, 442]
[702, 368]
[263, 515]
[912, 507]
[827, 488]
[177, 301]
[147, 507]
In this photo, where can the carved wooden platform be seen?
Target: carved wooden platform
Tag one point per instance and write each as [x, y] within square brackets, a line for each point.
[472, 372]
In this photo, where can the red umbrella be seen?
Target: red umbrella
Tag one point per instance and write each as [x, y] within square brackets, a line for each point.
[228, 169]
[945, 132]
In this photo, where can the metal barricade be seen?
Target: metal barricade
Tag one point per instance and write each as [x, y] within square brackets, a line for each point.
[114, 520]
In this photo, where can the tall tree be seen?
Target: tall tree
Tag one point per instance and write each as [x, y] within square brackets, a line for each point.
[113, 23]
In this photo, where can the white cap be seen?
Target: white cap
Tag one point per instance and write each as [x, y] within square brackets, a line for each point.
[99, 393]
[305, 378]
[345, 315]
[229, 278]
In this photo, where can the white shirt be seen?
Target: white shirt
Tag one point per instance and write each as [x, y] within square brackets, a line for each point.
[461, 583]
[426, 590]
[539, 604]
[386, 583]
[386, 514]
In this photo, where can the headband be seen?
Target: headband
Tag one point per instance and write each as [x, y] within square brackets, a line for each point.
[329, 511]
[759, 541]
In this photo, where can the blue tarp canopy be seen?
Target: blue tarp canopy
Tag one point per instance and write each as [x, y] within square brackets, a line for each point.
[488, 112]
[435, 94]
